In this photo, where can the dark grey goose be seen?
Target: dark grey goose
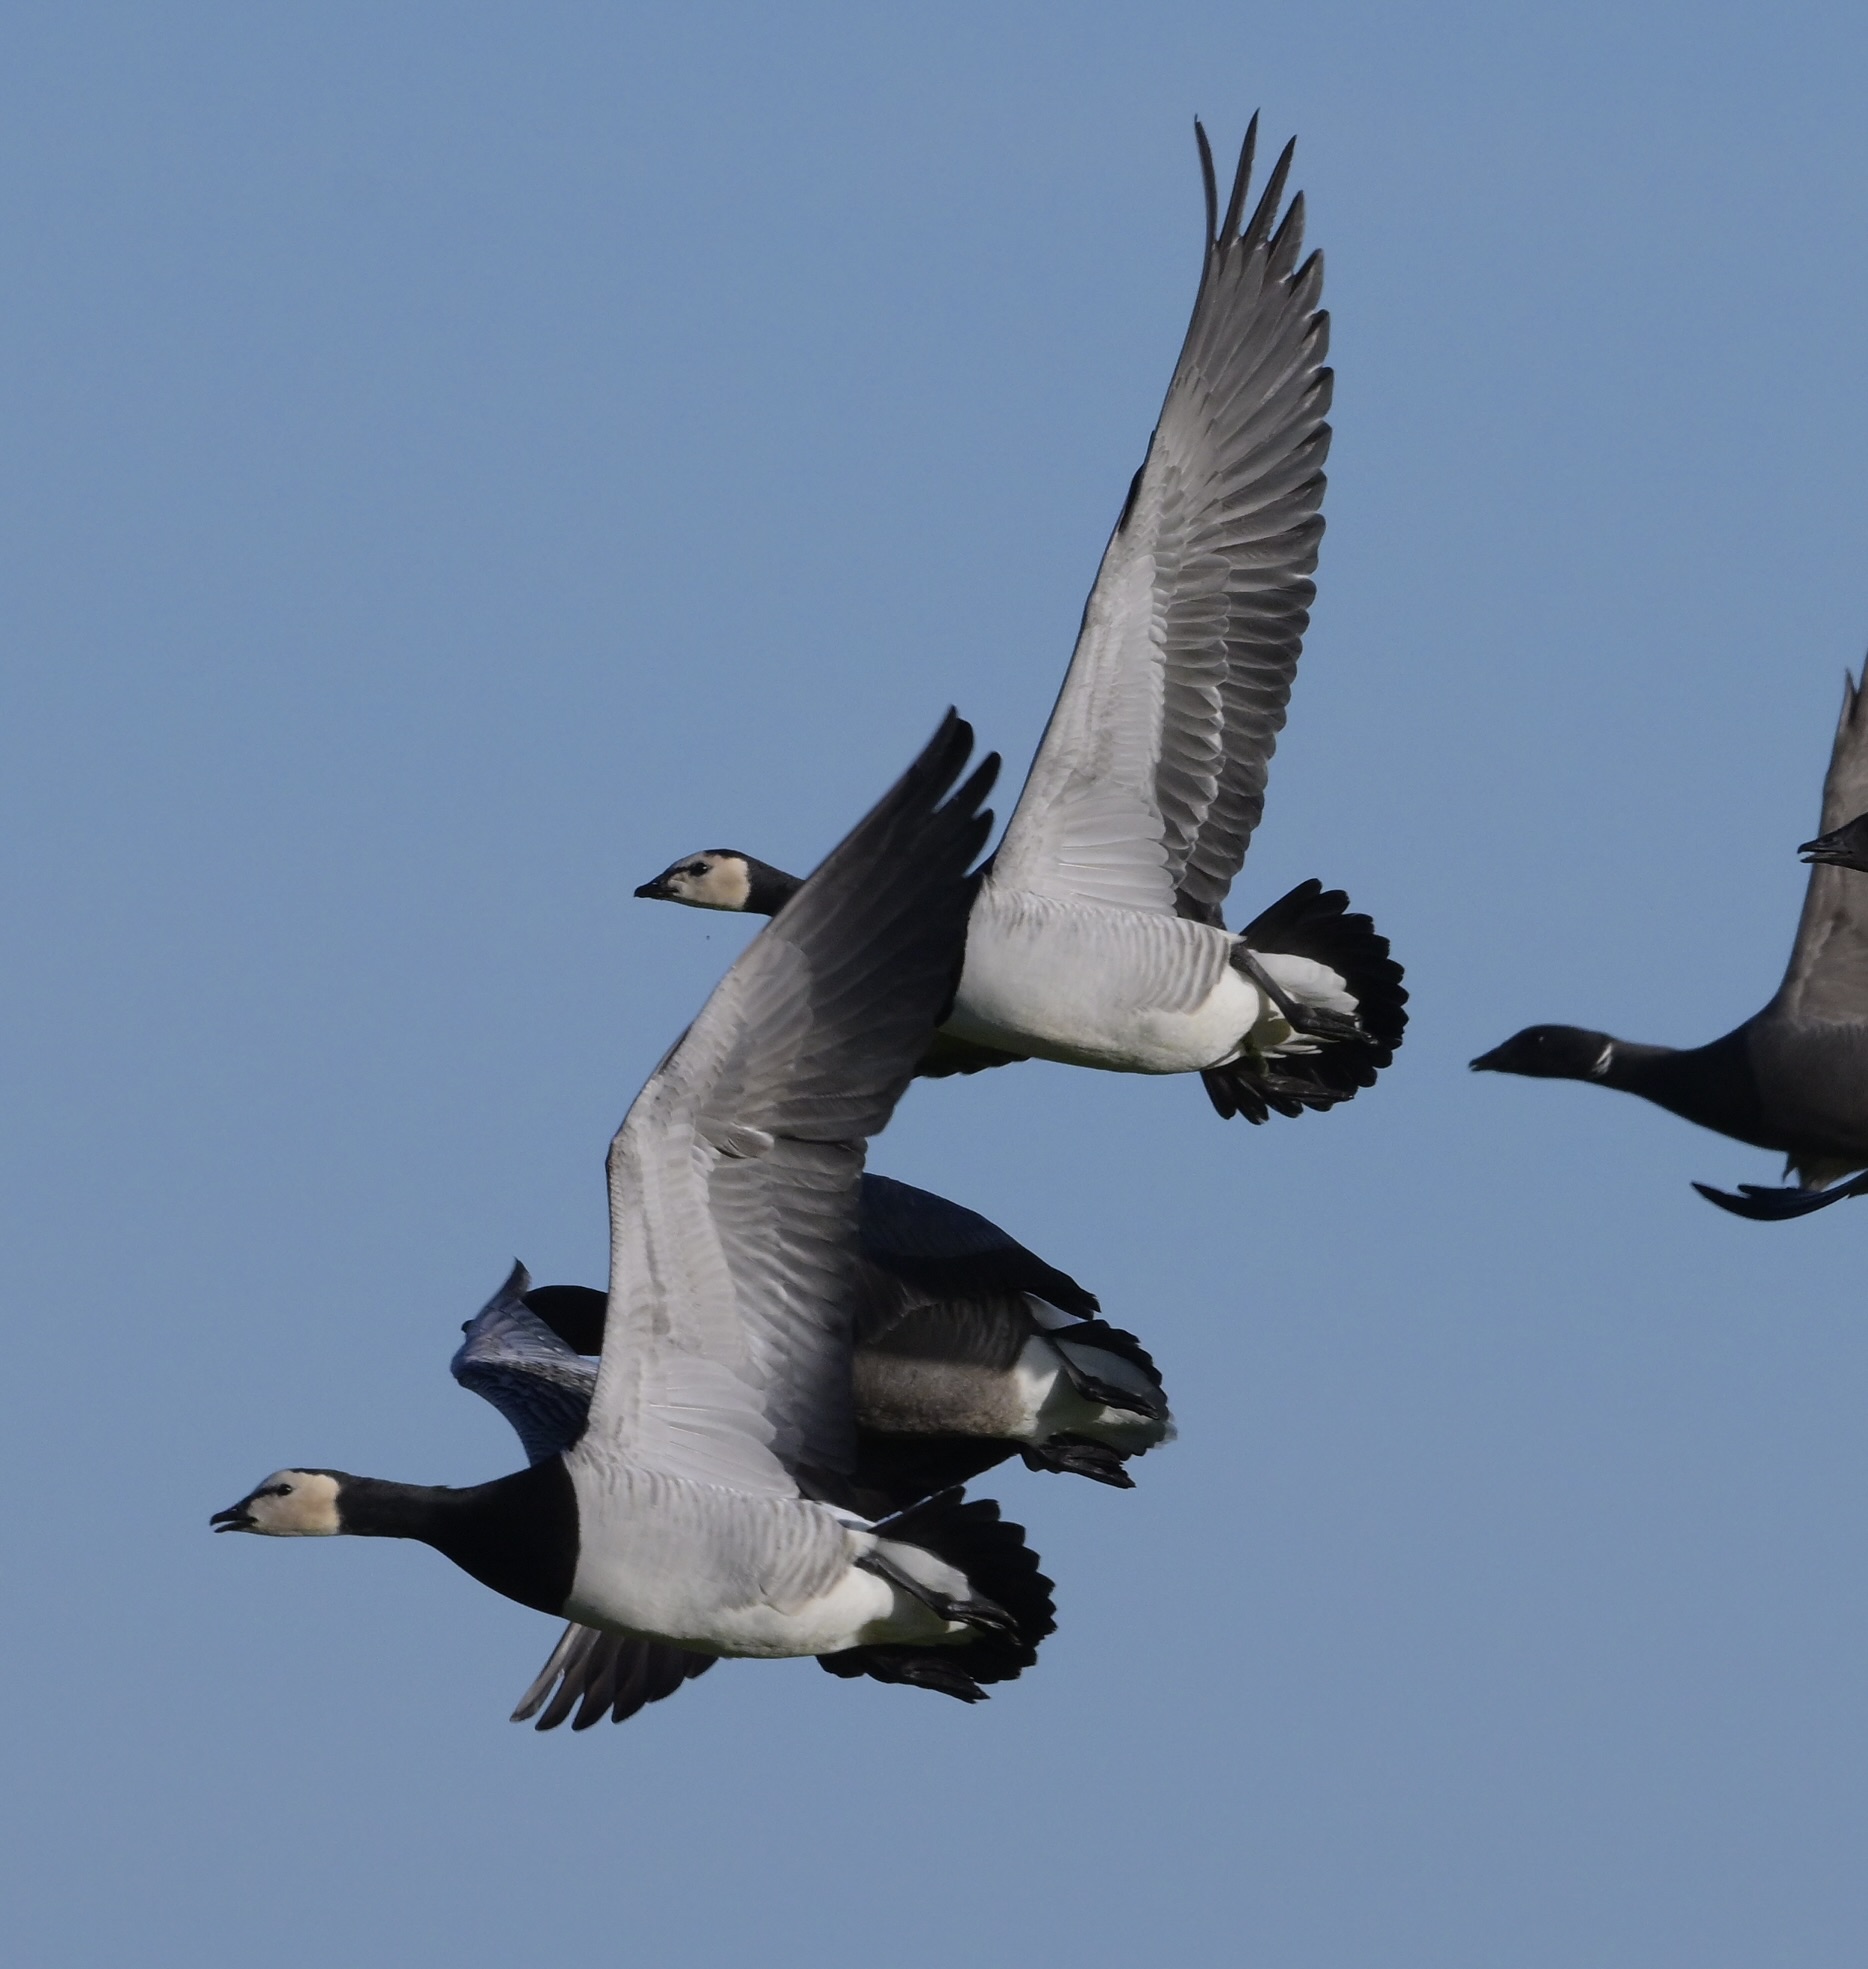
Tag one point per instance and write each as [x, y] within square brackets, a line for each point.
[1793, 1077]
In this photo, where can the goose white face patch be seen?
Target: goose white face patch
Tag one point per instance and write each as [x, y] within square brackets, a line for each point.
[292, 1504]
[710, 882]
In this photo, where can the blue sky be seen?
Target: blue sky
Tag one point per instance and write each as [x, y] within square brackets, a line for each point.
[458, 458]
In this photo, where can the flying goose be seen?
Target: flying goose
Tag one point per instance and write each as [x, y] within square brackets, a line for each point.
[700, 1508]
[1793, 1077]
[968, 1349]
[1099, 937]
[957, 1365]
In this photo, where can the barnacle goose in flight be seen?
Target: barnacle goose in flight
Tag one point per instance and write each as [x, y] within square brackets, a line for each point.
[964, 1355]
[968, 1349]
[701, 1508]
[1793, 1077]
[1099, 935]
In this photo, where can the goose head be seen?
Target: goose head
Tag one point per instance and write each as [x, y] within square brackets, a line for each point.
[1842, 847]
[289, 1504]
[1551, 1053]
[723, 878]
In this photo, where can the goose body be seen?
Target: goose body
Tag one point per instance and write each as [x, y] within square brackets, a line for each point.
[1098, 935]
[1125, 990]
[968, 1348]
[1794, 1077]
[696, 1510]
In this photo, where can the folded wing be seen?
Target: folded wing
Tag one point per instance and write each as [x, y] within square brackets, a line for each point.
[950, 1251]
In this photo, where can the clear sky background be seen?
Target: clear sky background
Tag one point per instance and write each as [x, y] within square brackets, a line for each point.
[457, 458]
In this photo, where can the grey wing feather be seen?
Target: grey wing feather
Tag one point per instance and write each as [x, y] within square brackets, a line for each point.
[733, 1180]
[1151, 775]
[1828, 974]
[512, 1359]
[951, 1251]
[599, 1674]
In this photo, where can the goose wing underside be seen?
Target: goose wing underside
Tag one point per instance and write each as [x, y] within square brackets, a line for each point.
[1151, 775]
[511, 1358]
[1828, 975]
[733, 1179]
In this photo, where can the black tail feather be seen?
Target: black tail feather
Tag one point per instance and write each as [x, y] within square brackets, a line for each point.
[1115, 1340]
[1001, 1568]
[1076, 1457]
[1317, 923]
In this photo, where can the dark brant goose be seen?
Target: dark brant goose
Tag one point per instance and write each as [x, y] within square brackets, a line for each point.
[1099, 934]
[699, 1510]
[1793, 1077]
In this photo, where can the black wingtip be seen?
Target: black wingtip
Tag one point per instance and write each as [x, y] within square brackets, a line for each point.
[1764, 1205]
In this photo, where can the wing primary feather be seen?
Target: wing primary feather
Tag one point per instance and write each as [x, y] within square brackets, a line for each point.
[1287, 241]
[1241, 180]
[1207, 183]
[1260, 226]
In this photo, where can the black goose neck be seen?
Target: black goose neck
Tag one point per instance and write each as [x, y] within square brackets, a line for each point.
[1633, 1067]
[768, 889]
[517, 1534]
[1713, 1084]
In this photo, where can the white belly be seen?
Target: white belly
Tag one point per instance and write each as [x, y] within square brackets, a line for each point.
[858, 1607]
[1129, 991]
[724, 1573]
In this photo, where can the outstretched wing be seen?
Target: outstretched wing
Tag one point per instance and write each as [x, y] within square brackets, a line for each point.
[733, 1179]
[954, 1253]
[512, 1359]
[1151, 775]
[1828, 974]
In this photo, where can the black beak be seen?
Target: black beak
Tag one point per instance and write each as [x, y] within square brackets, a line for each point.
[1824, 848]
[1486, 1062]
[235, 1518]
[656, 891]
